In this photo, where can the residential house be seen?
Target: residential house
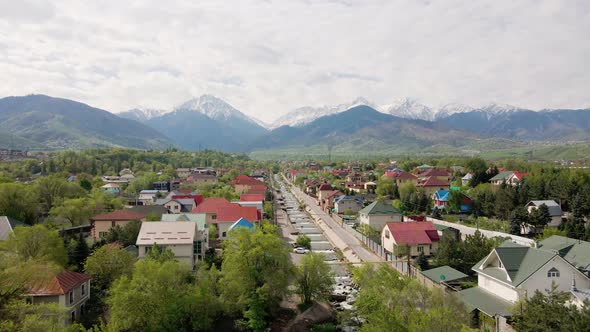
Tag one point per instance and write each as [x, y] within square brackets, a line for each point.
[423, 168]
[347, 203]
[111, 188]
[432, 184]
[199, 179]
[400, 177]
[256, 200]
[201, 230]
[210, 206]
[113, 179]
[7, 226]
[323, 190]
[328, 202]
[223, 214]
[243, 184]
[102, 223]
[512, 272]
[466, 179]
[355, 177]
[148, 197]
[377, 214]
[125, 171]
[259, 174]
[241, 223]
[501, 178]
[68, 289]
[576, 252]
[441, 201]
[167, 186]
[257, 189]
[178, 236]
[177, 205]
[515, 178]
[439, 173]
[554, 210]
[370, 185]
[445, 275]
[183, 173]
[417, 237]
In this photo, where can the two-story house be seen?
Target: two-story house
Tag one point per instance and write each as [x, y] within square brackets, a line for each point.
[377, 214]
[413, 238]
[178, 236]
[102, 223]
[343, 203]
[201, 229]
[68, 289]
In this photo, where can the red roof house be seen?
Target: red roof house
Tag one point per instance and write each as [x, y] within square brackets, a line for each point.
[418, 237]
[251, 198]
[61, 284]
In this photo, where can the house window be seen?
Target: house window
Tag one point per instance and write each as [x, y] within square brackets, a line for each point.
[420, 249]
[148, 249]
[113, 224]
[102, 234]
[175, 207]
[73, 316]
[213, 216]
[29, 300]
[83, 289]
[387, 234]
[553, 273]
[224, 234]
[71, 296]
[82, 309]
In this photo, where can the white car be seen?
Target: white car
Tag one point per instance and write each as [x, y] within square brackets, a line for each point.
[300, 250]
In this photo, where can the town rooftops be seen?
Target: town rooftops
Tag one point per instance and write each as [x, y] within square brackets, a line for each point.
[199, 218]
[379, 208]
[554, 208]
[413, 233]
[343, 198]
[518, 262]
[442, 195]
[502, 176]
[119, 215]
[433, 181]
[400, 175]
[435, 172]
[61, 284]
[110, 185]
[325, 187]
[210, 205]
[245, 180]
[576, 252]
[166, 232]
[486, 302]
[234, 212]
[251, 198]
[7, 226]
[444, 274]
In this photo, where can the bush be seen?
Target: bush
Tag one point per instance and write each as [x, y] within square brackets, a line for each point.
[303, 241]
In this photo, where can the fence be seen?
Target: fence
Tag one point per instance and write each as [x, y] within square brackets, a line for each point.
[367, 241]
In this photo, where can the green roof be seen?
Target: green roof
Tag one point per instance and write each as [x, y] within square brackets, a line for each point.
[379, 208]
[576, 252]
[440, 227]
[486, 302]
[502, 176]
[519, 262]
[443, 273]
[199, 218]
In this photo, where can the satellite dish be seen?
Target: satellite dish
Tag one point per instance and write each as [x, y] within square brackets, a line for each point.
[442, 277]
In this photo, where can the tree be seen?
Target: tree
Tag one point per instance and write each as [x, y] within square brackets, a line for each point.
[52, 189]
[303, 241]
[520, 218]
[37, 242]
[125, 235]
[75, 211]
[160, 254]
[78, 251]
[157, 297]
[19, 202]
[421, 262]
[107, 264]
[315, 278]
[256, 269]
[385, 187]
[540, 217]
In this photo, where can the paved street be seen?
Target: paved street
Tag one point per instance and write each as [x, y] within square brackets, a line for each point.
[350, 246]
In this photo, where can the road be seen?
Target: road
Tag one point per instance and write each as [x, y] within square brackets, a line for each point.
[350, 246]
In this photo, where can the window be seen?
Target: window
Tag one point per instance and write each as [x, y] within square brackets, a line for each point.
[71, 296]
[387, 234]
[224, 234]
[553, 273]
[175, 207]
[197, 247]
[148, 249]
[213, 216]
[113, 223]
[83, 289]
[73, 316]
[102, 234]
[29, 300]
[420, 249]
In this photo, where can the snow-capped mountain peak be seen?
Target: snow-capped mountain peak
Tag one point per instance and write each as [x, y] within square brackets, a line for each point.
[304, 115]
[142, 114]
[213, 107]
[450, 109]
[409, 108]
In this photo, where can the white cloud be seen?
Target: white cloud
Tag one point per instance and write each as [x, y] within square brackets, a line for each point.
[267, 57]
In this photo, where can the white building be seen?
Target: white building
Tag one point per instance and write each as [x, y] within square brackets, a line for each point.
[178, 236]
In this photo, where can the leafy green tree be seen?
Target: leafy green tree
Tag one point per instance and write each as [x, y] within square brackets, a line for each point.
[125, 235]
[86, 184]
[540, 217]
[256, 269]
[315, 279]
[53, 189]
[421, 262]
[303, 241]
[78, 251]
[37, 242]
[76, 211]
[18, 316]
[18, 274]
[160, 254]
[19, 202]
[385, 187]
[520, 217]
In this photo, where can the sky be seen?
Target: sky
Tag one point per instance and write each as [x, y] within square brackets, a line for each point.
[269, 57]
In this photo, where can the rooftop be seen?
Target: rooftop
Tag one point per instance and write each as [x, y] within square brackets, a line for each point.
[413, 232]
[444, 273]
[379, 208]
[61, 284]
[166, 232]
[119, 215]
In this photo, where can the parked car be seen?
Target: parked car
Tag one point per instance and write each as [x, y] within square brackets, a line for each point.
[300, 250]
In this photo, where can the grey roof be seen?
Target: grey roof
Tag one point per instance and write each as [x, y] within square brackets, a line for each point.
[444, 273]
[486, 302]
[199, 218]
[7, 226]
[519, 263]
[554, 208]
[576, 252]
[379, 208]
[502, 176]
[150, 210]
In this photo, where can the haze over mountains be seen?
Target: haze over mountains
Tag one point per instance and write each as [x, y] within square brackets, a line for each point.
[42, 122]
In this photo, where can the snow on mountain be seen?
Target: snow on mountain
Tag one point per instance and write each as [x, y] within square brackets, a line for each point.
[142, 114]
[304, 115]
[213, 107]
[408, 108]
[450, 109]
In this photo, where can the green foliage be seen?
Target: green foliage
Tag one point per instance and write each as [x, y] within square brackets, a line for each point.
[125, 235]
[159, 254]
[368, 231]
[421, 262]
[386, 187]
[78, 251]
[255, 272]
[37, 242]
[415, 308]
[462, 255]
[520, 217]
[315, 278]
[20, 317]
[75, 211]
[268, 210]
[53, 189]
[20, 202]
[550, 312]
[303, 241]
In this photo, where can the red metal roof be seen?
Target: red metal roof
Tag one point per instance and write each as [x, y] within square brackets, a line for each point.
[233, 212]
[251, 197]
[411, 233]
[60, 284]
[246, 180]
[519, 175]
[433, 181]
[400, 175]
[119, 215]
[435, 172]
[210, 205]
[325, 187]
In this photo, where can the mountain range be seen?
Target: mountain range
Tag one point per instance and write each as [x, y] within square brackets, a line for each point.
[404, 126]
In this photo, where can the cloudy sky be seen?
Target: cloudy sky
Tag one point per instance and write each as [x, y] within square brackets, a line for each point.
[269, 57]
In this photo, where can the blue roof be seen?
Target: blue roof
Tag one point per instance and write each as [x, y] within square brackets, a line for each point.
[242, 222]
[348, 198]
[149, 191]
[442, 195]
